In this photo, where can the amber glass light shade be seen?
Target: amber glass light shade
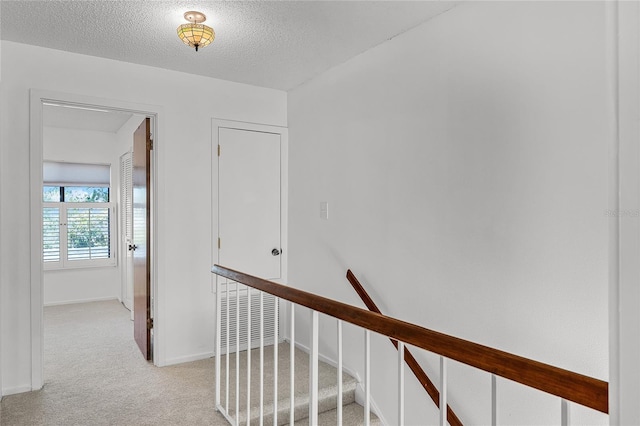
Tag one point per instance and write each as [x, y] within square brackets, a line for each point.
[195, 34]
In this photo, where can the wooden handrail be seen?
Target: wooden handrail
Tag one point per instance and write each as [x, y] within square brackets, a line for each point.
[413, 364]
[584, 390]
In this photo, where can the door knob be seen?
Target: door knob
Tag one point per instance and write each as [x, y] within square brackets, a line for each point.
[275, 252]
[132, 247]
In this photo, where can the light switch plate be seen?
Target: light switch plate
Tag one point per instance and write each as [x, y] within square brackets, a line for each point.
[324, 210]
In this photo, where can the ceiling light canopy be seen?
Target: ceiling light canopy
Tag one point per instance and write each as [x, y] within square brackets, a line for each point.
[195, 34]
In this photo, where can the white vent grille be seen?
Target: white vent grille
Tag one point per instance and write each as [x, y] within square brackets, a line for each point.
[126, 188]
[268, 310]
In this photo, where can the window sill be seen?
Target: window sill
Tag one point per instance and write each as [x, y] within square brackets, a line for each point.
[47, 268]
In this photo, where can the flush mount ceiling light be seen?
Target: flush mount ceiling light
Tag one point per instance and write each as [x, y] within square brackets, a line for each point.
[196, 34]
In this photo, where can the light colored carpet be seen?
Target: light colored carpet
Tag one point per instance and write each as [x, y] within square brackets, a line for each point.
[352, 415]
[327, 386]
[95, 375]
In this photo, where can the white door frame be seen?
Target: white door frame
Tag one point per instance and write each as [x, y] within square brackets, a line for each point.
[37, 98]
[623, 72]
[284, 185]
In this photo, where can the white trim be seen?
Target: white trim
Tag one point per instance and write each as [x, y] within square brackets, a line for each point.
[611, 10]
[359, 388]
[189, 358]
[16, 390]
[284, 187]
[36, 269]
[326, 360]
[37, 98]
[1, 145]
[73, 302]
[623, 61]
[372, 403]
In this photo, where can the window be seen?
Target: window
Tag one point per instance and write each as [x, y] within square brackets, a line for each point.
[77, 225]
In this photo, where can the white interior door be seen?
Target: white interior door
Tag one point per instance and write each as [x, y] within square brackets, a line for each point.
[249, 202]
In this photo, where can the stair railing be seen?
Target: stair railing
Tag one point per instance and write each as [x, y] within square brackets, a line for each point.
[409, 359]
[567, 385]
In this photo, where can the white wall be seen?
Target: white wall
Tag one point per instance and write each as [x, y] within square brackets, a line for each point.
[465, 166]
[624, 298]
[183, 153]
[91, 147]
[1, 162]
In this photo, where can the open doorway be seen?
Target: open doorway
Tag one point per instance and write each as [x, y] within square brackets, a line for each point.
[83, 259]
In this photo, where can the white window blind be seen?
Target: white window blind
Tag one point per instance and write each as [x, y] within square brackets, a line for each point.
[77, 235]
[76, 174]
[51, 234]
[77, 215]
[88, 233]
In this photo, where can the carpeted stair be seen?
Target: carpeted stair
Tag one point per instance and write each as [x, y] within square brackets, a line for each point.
[327, 390]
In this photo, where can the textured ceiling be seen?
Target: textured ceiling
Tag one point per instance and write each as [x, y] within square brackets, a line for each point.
[277, 44]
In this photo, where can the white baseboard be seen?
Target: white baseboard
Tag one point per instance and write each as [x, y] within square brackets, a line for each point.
[187, 358]
[190, 358]
[374, 407]
[13, 391]
[359, 388]
[72, 302]
[327, 360]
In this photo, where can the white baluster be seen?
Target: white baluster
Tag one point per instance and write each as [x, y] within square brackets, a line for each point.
[218, 341]
[237, 352]
[494, 400]
[339, 406]
[367, 377]
[226, 407]
[292, 355]
[261, 359]
[275, 362]
[248, 356]
[564, 412]
[400, 383]
[313, 371]
[443, 391]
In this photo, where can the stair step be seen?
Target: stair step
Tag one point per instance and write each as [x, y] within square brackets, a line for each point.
[352, 415]
[327, 386]
[327, 401]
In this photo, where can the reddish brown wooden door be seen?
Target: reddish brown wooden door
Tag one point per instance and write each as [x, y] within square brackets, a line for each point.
[142, 319]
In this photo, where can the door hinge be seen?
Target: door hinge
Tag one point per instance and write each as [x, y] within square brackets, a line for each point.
[150, 145]
[219, 244]
[149, 323]
[218, 150]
